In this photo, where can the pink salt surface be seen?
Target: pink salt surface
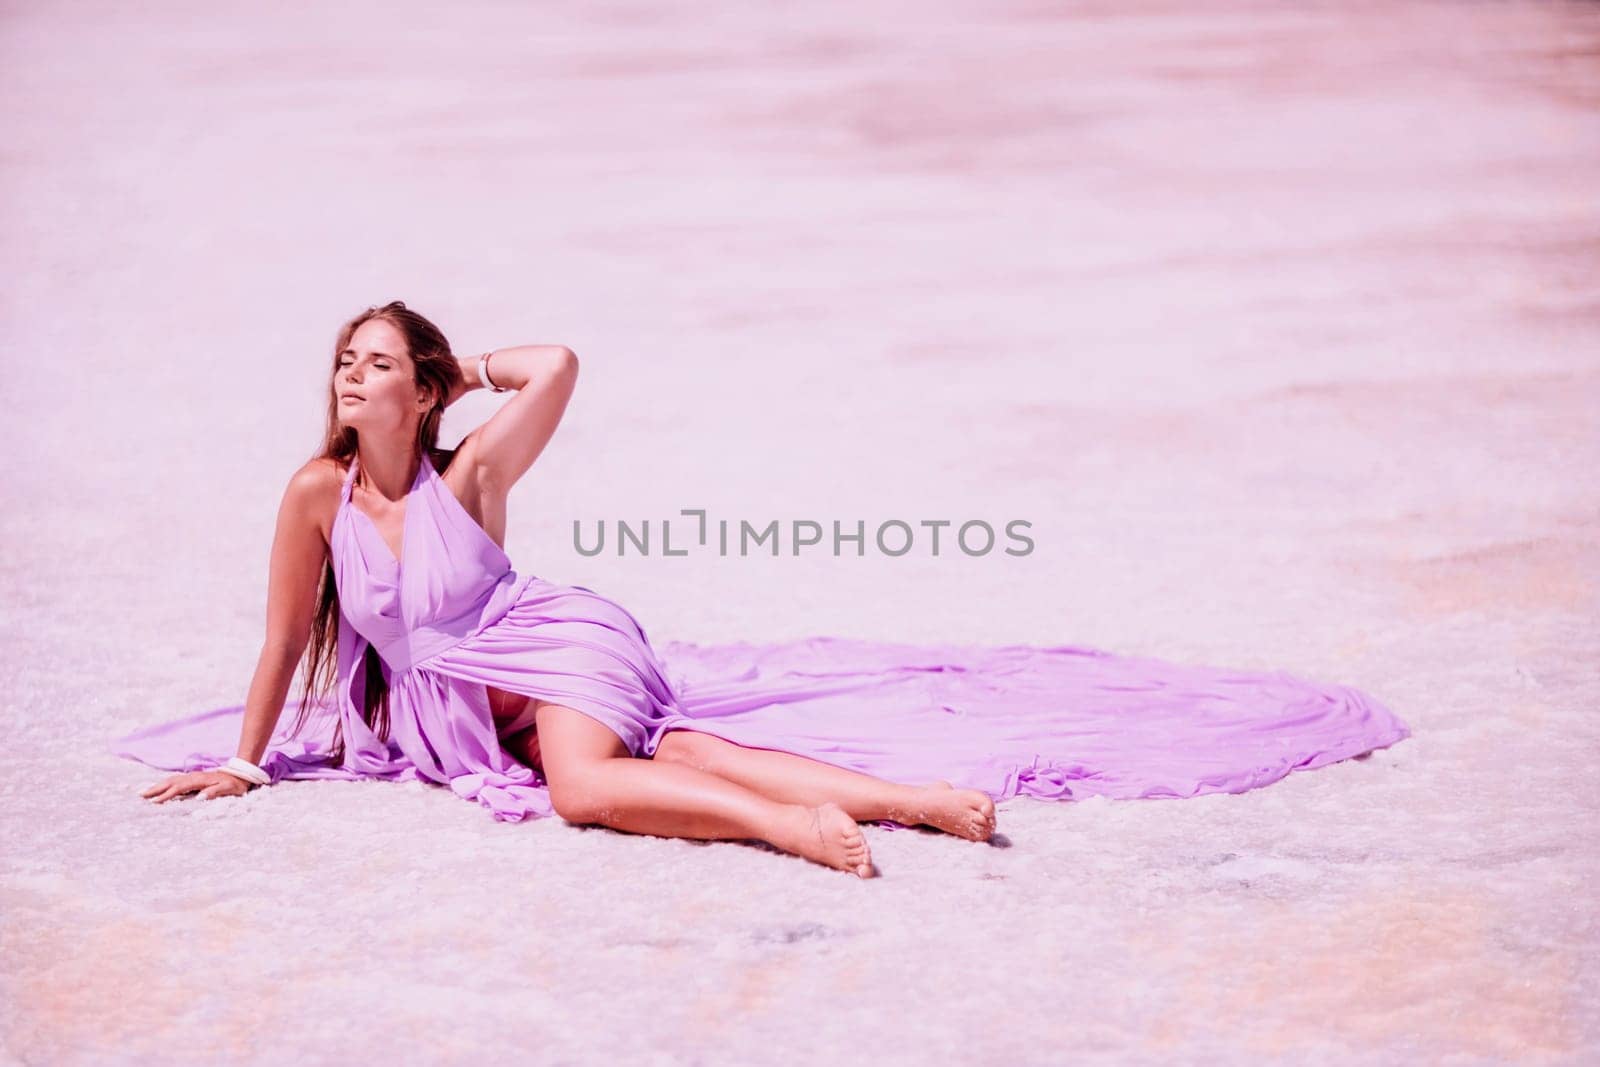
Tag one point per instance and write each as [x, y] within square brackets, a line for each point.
[1277, 322]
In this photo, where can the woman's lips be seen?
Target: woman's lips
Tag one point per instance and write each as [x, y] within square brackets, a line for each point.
[348, 399]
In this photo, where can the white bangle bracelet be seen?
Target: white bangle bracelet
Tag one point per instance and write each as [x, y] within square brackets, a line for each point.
[483, 372]
[240, 767]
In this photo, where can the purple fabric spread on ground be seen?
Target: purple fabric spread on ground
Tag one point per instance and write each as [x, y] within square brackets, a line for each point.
[1059, 723]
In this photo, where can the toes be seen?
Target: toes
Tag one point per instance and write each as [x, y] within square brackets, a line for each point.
[842, 838]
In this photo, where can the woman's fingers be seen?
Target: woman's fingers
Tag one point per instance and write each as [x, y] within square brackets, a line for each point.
[167, 788]
[209, 784]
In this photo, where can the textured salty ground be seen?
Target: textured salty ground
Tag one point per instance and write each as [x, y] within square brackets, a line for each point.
[1278, 324]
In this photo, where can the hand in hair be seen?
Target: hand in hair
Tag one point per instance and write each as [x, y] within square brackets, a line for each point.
[468, 379]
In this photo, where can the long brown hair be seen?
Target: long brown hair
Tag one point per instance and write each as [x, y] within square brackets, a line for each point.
[438, 373]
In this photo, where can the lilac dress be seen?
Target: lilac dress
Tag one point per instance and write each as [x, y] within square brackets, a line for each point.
[451, 617]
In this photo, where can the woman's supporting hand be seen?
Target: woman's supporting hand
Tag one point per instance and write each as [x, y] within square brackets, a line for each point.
[209, 784]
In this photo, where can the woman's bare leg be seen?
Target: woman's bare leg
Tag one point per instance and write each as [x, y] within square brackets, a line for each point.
[786, 777]
[593, 779]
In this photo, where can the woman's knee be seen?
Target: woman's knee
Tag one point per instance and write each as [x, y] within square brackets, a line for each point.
[577, 798]
[573, 748]
[569, 736]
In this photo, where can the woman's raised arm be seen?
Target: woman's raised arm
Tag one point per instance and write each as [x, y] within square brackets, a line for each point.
[505, 446]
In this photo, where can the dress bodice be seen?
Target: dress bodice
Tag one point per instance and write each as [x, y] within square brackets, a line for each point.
[451, 577]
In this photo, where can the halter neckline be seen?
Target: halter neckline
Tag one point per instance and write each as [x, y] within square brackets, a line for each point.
[398, 562]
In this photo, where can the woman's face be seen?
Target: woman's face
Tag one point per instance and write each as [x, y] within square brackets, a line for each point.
[374, 382]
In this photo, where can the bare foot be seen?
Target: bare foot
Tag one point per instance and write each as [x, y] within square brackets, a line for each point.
[827, 834]
[967, 813]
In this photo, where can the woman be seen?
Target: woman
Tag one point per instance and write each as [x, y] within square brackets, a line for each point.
[534, 697]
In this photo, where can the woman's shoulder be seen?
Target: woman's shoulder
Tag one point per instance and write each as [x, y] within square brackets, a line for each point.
[321, 471]
[314, 490]
[316, 485]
